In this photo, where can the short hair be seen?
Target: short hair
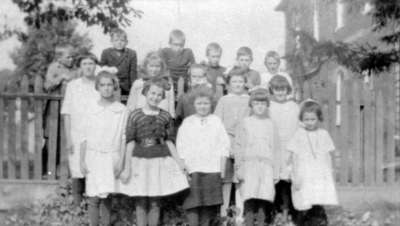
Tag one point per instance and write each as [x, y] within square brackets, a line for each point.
[160, 82]
[118, 32]
[62, 48]
[259, 94]
[106, 74]
[279, 82]
[197, 66]
[272, 54]
[153, 56]
[87, 55]
[244, 51]
[202, 91]
[237, 72]
[311, 106]
[213, 46]
[177, 34]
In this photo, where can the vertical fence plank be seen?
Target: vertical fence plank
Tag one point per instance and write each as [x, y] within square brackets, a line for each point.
[380, 114]
[355, 123]
[63, 152]
[343, 135]
[53, 138]
[331, 120]
[38, 108]
[24, 134]
[2, 137]
[11, 165]
[390, 133]
[369, 128]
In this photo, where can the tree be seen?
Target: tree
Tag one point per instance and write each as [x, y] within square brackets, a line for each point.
[309, 54]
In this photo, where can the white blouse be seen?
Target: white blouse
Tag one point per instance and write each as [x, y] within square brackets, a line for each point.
[105, 127]
[202, 142]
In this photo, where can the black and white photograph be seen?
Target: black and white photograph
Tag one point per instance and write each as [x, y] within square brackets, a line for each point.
[200, 113]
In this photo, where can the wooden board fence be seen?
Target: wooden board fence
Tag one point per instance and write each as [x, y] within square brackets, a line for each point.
[365, 136]
[361, 123]
[23, 154]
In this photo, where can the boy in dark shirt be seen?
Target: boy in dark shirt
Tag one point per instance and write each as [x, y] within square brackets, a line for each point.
[178, 60]
[121, 57]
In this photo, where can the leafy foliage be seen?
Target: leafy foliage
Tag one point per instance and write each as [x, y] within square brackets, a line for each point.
[310, 54]
[105, 13]
[37, 50]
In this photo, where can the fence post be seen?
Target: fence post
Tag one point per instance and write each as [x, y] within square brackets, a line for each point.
[53, 138]
[369, 138]
[355, 124]
[2, 138]
[380, 114]
[38, 108]
[343, 135]
[24, 168]
[391, 103]
[11, 149]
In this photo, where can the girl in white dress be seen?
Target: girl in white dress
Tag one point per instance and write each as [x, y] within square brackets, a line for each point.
[102, 147]
[153, 66]
[284, 113]
[79, 94]
[256, 147]
[313, 182]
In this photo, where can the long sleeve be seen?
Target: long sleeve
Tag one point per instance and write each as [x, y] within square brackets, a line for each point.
[219, 109]
[133, 66]
[277, 149]
[171, 100]
[104, 58]
[239, 143]
[66, 108]
[183, 141]
[223, 141]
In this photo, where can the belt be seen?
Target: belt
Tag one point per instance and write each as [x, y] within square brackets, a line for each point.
[148, 142]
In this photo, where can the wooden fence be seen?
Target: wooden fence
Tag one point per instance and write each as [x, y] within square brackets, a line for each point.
[22, 142]
[362, 124]
[361, 120]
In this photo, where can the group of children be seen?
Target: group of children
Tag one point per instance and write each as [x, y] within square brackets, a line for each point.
[198, 129]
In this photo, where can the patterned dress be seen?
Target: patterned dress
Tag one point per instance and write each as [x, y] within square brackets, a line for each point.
[154, 171]
[257, 150]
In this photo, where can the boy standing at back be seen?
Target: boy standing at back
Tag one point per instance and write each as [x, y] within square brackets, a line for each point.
[272, 62]
[178, 60]
[61, 70]
[244, 58]
[215, 72]
[121, 57]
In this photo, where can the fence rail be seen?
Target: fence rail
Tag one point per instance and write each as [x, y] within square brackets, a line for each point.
[362, 125]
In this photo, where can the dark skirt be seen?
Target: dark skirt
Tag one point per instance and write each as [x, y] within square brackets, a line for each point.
[229, 171]
[205, 190]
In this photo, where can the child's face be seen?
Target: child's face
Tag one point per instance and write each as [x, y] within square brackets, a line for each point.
[154, 95]
[259, 108]
[280, 94]
[197, 77]
[87, 67]
[237, 84]
[66, 58]
[119, 42]
[272, 64]
[202, 106]
[310, 120]
[244, 61]
[177, 45]
[153, 69]
[214, 57]
[106, 88]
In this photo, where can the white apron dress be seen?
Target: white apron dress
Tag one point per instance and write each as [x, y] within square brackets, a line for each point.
[79, 94]
[286, 118]
[313, 166]
[104, 136]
